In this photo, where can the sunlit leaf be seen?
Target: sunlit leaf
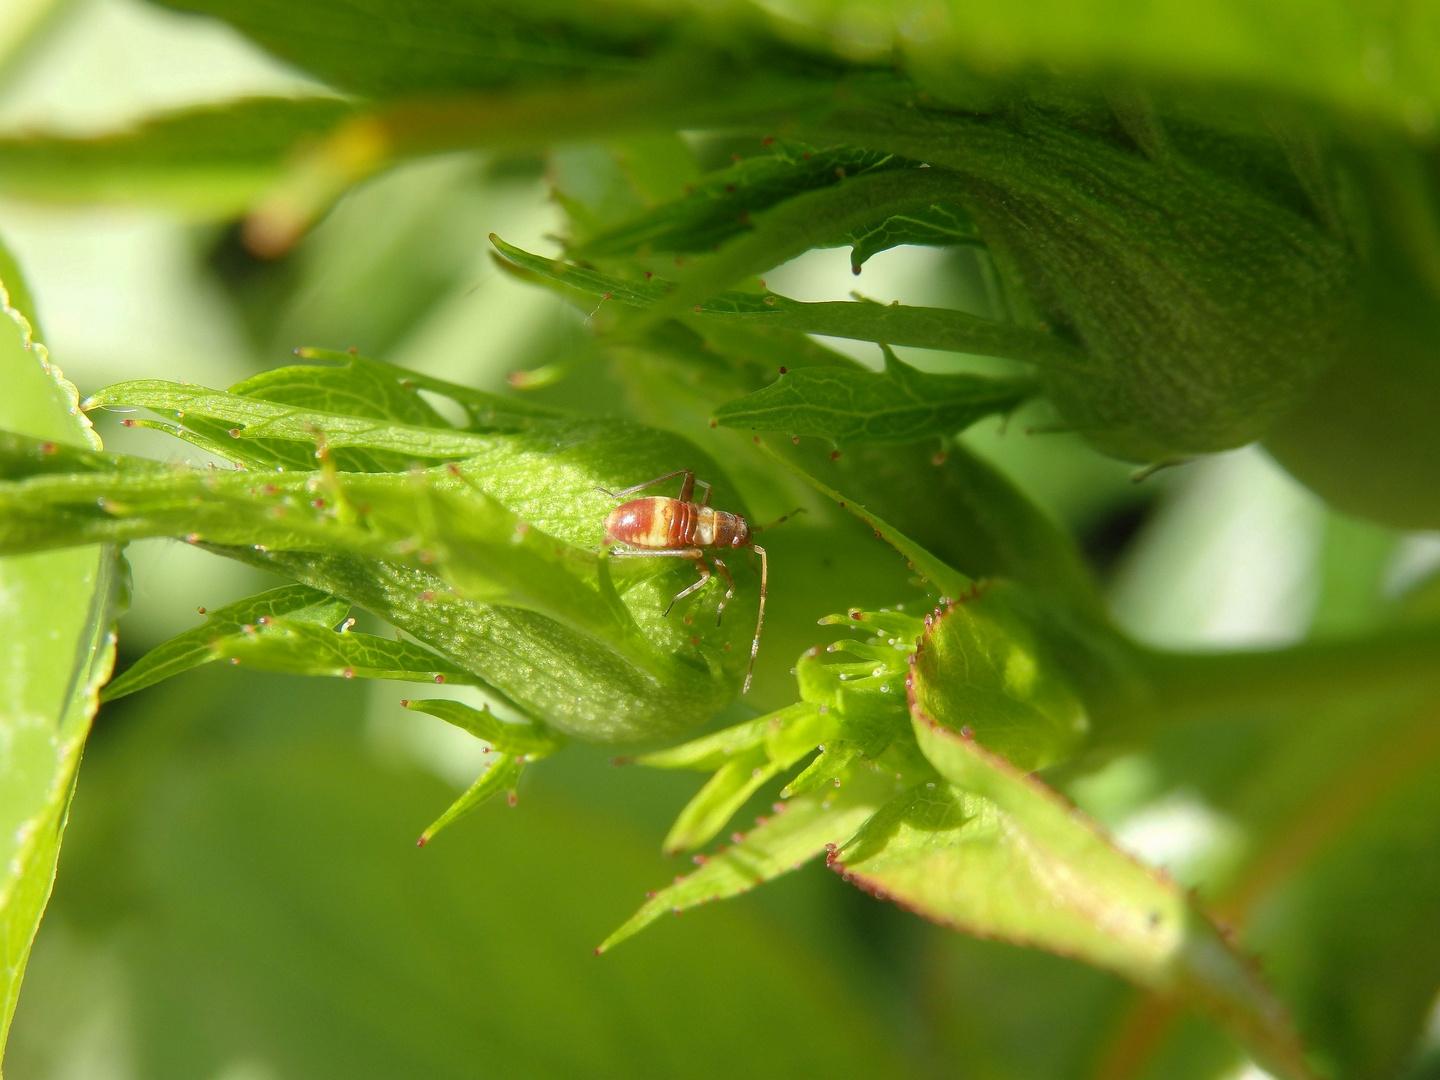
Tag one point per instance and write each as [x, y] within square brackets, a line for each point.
[991, 852]
[57, 644]
[782, 739]
[296, 603]
[304, 648]
[532, 740]
[797, 831]
[502, 774]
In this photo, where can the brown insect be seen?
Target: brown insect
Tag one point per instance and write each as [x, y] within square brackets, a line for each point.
[684, 529]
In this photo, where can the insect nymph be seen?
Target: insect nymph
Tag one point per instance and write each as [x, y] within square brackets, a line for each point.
[683, 529]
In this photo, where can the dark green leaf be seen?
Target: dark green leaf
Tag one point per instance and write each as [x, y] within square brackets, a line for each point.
[395, 48]
[719, 206]
[297, 603]
[926, 328]
[947, 579]
[942, 225]
[900, 405]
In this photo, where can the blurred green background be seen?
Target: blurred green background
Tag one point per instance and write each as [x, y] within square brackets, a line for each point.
[240, 897]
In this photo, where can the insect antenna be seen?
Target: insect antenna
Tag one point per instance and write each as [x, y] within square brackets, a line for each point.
[779, 521]
[760, 620]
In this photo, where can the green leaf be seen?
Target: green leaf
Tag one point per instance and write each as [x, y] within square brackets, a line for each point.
[518, 593]
[256, 418]
[996, 854]
[938, 225]
[947, 579]
[719, 206]
[1031, 681]
[781, 739]
[922, 327]
[391, 47]
[900, 405]
[297, 603]
[209, 162]
[1179, 360]
[799, 830]
[980, 671]
[965, 511]
[57, 643]
[1385, 72]
[529, 741]
[502, 774]
[304, 648]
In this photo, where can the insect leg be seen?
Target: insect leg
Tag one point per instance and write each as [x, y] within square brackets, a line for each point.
[704, 580]
[686, 488]
[760, 621]
[729, 586]
[779, 520]
[673, 553]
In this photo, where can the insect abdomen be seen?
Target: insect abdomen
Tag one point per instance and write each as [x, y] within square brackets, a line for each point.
[655, 523]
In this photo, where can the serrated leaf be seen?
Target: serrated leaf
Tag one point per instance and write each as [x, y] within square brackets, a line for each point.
[192, 648]
[775, 846]
[922, 327]
[357, 386]
[485, 411]
[518, 587]
[828, 767]
[532, 740]
[502, 774]
[302, 648]
[209, 162]
[1028, 680]
[711, 751]
[939, 225]
[719, 206]
[57, 645]
[783, 739]
[996, 854]
[256, 418]
[946, 578]
[980, 669]
[900, 405]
